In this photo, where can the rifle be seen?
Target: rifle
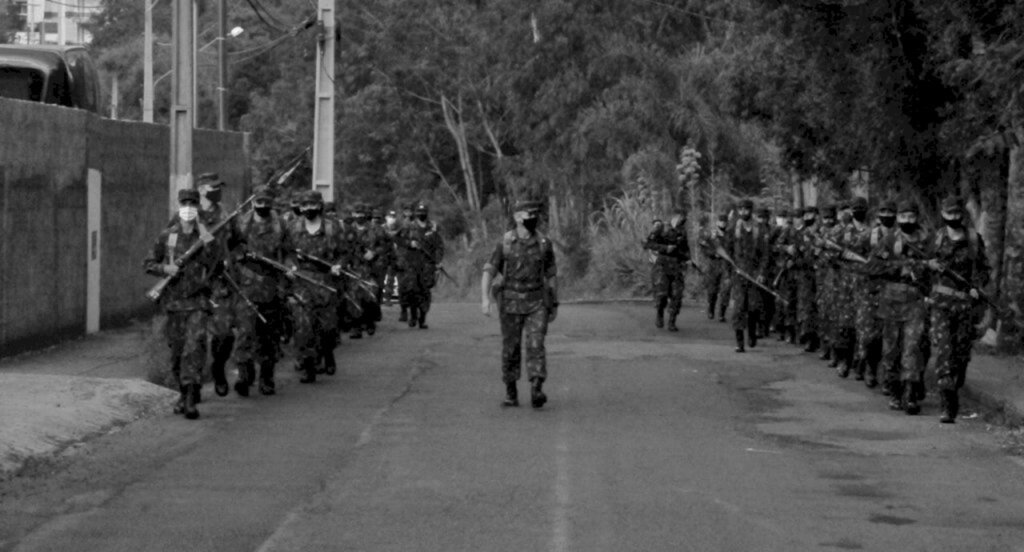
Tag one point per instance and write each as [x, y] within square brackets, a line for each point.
[844, 253]
[946, 271]
[245, 298]
[721, 253]
[285, 270]
[327, 266]
[446, 275]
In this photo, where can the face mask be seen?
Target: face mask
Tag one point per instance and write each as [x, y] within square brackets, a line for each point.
[361, 221]
[721, 225]
[845, 217]
[213, 196]
[780, 221]
[908, 227]
[860, 216]
[422, 217]
[828, 221]
[745, 215]
[297, 210]
[530, 224]
[263, 211]
[953, 222]
[390, 221]
[311, 214]
[188, 213]
[887, 221]
[809, 221]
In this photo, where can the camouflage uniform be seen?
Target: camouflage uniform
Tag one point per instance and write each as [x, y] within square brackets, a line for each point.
[316, 309]
[868, 326]
[803, 272]
[259, 341]
[825, 281]
[186, 300]
[717, 280]
[370, 240]
[954, 312]
[849, 283]
[903, 312]
[422, 249]
[747, 243]
[672, 252]
[784, 245]
[221, 322]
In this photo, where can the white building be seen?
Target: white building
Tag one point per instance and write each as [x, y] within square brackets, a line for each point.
[44, 20]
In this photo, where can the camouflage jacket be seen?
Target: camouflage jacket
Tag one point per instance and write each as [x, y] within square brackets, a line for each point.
[964, 257]
[747, 244]
[420, 247]
[659, 242]
[525, 266]
[324, 244]
[267, 238]
[191, 289]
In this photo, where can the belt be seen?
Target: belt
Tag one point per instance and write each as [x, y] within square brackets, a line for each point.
[900, 286]
[948, 291]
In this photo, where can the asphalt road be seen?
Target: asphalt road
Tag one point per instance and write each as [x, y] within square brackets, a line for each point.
[650, 441]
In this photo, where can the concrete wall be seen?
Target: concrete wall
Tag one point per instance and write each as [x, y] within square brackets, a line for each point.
[45, 154]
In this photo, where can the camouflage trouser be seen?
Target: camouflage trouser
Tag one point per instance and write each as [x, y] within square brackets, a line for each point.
[807, 306]
[785, 313]
[868, 326]
[717, 284]
[952, 336]
[844, 304]
[316, 330]
[825, 304]
[258, 341]
[222, 317]
[513, 329]
[745, 303]
[667, 284]
[414, 285]
[186, 336]
[902, 347]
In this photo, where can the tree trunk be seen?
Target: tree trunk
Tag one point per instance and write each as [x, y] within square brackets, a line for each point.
[1013, 258]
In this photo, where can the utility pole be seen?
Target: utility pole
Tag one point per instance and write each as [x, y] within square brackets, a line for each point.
[323, 129]
[147, 65]
[222, 64]
[182, 99]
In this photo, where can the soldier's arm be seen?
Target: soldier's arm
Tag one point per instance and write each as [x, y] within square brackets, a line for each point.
[154, 261]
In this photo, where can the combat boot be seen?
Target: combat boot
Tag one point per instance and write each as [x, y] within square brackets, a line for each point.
[423, 318]
[245, 377]
[752, 333]
[330, 365]
[190, 402]
[404, 315]
[309, 371]
[659, 319]
[221, 347]
[739, 342]
[371, 328]
[947, 398]
[511, 394]
[858, 369]
[826, 353]
[842, 365]
[672, 323]
[910, 398]
[792, 334]
[537, 396]
[812, 343]
[895, 396]
[179, 405]
[267, 378]
[414, 317]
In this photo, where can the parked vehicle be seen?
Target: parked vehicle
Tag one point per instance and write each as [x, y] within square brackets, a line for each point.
[61, 75]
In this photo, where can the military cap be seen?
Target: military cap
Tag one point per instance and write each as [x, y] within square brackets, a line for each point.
[330, 206]
[909, 207]
[859, 204]
[953, 204]
[188, 194]
[810, 210]
[421, 208]
[263, 192]
[528, 205]
[763, 212]
[843, 205]
[745, 203]
[392, 213]
[827, 211]
[408, 206]
[312, 196]
[360, 209]
[888, 205]
[212, 180]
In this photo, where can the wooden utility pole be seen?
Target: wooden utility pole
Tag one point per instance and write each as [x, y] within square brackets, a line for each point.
[222, 64]
[147, 65]
[182, 98]
[323, 129]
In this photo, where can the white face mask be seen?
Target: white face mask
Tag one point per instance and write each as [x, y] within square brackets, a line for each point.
[390, 221]
[781, 221]
[188, 213]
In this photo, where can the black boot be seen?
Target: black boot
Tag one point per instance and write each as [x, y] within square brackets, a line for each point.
[659, 319]
[910, 398]
[190, 402]
[371, 328]
[711, 306]
[895, 395]
[245, 377]
[309, 371]
[739, 342]
[812, 343]
[752, 333]
[267, 378]
[511, 394]
[179, 405]
[826, 354]
[792, 334]
[404, 315]
[840, 364]
[858, 369]
[414, 317]
[356, 333]
[949, 401]
[221, 347]
[672, 322]
[422, 319]
[537, 396]
[330, 365]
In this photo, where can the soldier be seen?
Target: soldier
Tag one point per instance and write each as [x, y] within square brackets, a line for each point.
[868, 326]
[407, 220]
[421, 251]
[762, 217]
[373, 246]
[716, 279]
[825, 275]
[316, 311]
[672, 252]
[902, 309]
[527, 300]
[855, 237]
[961, 271]
[186, 300]
[391, 226]
[803, 271]
[784, 247]
[263, 233]
[222, 318]
[746, 243]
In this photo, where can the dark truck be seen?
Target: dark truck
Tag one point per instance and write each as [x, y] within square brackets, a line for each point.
[61, 75]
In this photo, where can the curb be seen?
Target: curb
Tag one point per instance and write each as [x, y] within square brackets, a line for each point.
[996, 410]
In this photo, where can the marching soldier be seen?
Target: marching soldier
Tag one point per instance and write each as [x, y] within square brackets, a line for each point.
[716, 280]
[902, 309]
[855, 238]
[391, 227]
[746, 243]
[408, 218]
[373, 245]
[672, 252]
[784, 245]
[316, 311]
[186, 300]
[422, 250]
[762, 217]
[961, 271]
[825, 275]
[259, 318]
[868, 325]
[527, 300]
[806, 281]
